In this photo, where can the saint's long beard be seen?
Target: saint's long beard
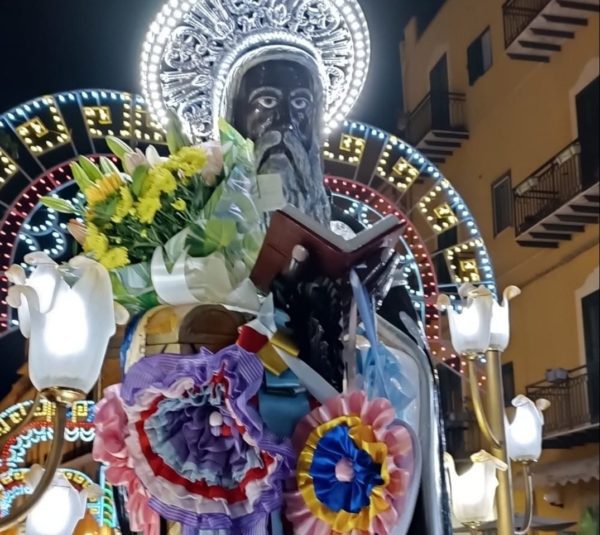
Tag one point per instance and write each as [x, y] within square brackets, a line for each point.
[301, 172]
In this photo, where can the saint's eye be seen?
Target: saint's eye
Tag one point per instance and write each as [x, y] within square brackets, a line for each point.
[300, 103]
[267, 102]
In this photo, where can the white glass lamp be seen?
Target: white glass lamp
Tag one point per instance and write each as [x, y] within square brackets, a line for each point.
[60, 508]
[483, 323]
[470, 328]
[474, 491]
[500, 328]
[524, 434]
[68, 326]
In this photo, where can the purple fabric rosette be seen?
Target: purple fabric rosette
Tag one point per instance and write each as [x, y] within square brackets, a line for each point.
[198, 443]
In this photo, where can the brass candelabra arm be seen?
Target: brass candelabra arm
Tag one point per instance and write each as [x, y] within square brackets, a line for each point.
[473, 527]
[30, 413]
[482, 420]
[528, 481]
[52, 463]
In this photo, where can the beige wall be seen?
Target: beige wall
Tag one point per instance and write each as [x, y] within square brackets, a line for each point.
[520, 114]
[545, 321]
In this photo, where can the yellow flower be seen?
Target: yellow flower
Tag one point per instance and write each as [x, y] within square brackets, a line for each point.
[115, 258]
[95, 242]
[104, 188]
[159, 180]
[179, 205]
[124, 205]
[188, 160]
[147, 208]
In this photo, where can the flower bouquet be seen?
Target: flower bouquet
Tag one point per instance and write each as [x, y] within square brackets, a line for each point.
[196, 207]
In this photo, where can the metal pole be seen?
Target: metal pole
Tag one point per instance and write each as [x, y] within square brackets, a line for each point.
[496, 418]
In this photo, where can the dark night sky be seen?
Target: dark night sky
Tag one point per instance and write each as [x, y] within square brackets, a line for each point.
[58, 45]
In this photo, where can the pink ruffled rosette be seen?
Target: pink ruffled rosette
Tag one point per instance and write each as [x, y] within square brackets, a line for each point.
[110, 448]
[368, 428]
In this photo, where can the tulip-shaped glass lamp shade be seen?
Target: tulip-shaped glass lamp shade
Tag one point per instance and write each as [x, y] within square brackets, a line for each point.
[60, 508]
[470, 328]
[482, 323]
[474, 491]
[524, 434]
[500, 327]
[68, 326]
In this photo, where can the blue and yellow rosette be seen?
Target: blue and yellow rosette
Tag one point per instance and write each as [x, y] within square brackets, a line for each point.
[355, 470]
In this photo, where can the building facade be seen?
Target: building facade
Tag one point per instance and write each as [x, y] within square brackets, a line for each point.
[503, 96]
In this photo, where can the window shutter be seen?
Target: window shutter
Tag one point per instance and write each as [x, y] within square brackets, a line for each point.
[502, 204]
[486, 51]
[475, 61]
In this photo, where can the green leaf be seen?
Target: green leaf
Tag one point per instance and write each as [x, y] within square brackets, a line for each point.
[148, 300]
[91, 170]
[175, 247]
[118, 147]
[80, 177]
[107, 166]
[175, 137]
[215, 235]
[220, 232]
[211, 205]
[104, 211]
[59, 205]
[138, 177]
[195, 241]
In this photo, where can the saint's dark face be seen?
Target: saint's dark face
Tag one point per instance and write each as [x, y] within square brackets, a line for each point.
[277, 95]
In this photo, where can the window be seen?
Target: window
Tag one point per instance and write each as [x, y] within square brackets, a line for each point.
[590, 305]
[502, 203]
[508, 379]
[479, 56]
[588, 118]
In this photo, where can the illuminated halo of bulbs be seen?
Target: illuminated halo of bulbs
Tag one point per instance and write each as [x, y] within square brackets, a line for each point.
[192, 48]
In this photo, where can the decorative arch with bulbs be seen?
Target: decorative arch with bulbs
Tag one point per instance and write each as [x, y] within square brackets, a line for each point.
[100, 508]
[370, 173]
[14, 454]
[80, 428]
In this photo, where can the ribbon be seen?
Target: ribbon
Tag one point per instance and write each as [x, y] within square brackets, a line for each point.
[279, 353]
[261, 336]
[384, 375]
[127, 340]
[339, 491]
[202, 281]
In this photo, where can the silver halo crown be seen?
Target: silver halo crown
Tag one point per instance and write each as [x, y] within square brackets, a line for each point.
[196, 50]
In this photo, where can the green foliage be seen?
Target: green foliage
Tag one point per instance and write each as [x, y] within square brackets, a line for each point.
[107, 166]
[117, 147]
[59, 205]
[214, 235]
[175, 136]
[80, 177]
[90, 168]
[140, 173]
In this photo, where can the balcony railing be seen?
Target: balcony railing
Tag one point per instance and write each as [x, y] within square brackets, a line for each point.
[549, 188]
[437, 111]
[518, 14]
[573, 398]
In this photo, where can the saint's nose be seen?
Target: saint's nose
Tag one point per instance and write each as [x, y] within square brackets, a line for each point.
[283, 116]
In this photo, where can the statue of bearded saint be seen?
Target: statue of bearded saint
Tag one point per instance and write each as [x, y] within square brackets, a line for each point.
[279, 106]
